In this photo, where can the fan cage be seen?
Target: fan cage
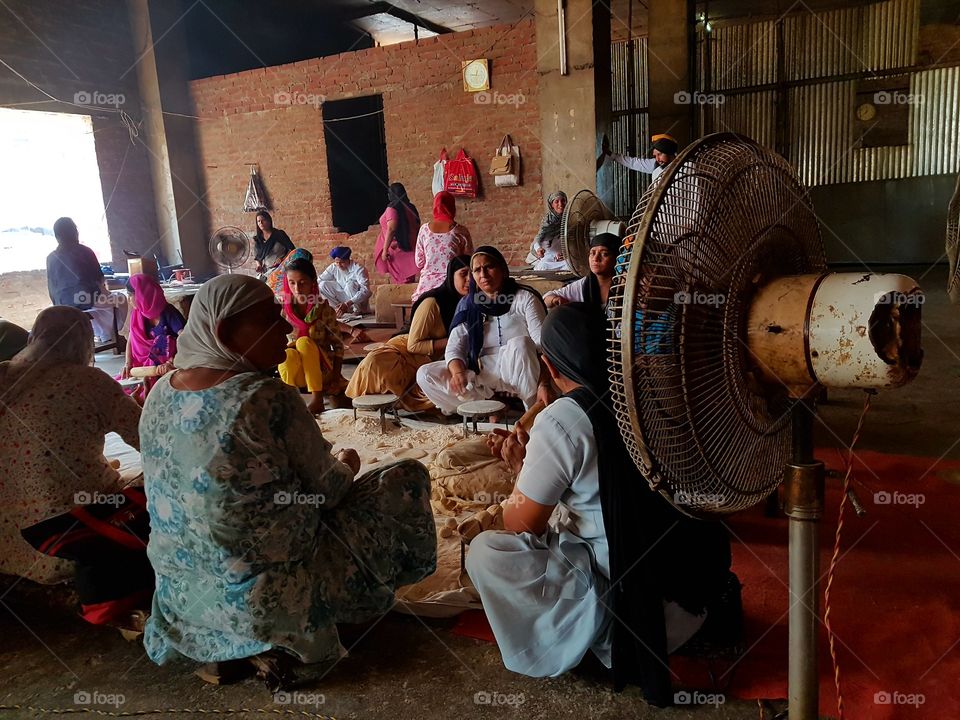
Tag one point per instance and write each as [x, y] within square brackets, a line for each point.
[575, 233]
[726, 217]
[229, 236]
[953, 245]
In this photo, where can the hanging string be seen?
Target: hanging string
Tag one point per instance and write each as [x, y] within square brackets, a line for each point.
[835, 559]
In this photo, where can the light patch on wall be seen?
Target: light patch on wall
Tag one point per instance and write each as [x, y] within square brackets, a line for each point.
[49, 170]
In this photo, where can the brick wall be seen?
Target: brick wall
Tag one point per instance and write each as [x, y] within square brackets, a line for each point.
[84, 46]
[425, 108]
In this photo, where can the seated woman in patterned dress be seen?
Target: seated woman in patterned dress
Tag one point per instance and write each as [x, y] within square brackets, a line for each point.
[55, 413]
[261, 540]
[315, 351]
[155, 326]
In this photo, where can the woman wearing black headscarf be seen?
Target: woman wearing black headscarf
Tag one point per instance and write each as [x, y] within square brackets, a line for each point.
[595, 287]
[493, 343]
[394, 251]
[392, 368]
[621, 573]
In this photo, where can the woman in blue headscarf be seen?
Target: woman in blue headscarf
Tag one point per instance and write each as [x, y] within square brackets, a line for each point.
[494, 340]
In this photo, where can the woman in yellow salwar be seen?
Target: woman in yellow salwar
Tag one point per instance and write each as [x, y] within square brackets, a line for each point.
[315, 353]
[393, 367]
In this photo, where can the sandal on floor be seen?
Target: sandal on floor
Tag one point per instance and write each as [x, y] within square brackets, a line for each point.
[275, 669]
[225, 673]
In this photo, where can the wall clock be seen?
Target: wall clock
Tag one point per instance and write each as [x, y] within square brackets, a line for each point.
[476, 75]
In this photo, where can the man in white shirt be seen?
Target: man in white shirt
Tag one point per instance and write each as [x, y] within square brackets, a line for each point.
[664, 151]
[345, 284]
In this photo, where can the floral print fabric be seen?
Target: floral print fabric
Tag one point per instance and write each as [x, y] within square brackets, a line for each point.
[260, 538]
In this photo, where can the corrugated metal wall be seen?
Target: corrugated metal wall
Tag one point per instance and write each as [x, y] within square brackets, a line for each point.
[631, 121]
[822, 51]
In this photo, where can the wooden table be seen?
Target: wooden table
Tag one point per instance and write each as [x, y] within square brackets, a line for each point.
[401, 312]
[383, 403]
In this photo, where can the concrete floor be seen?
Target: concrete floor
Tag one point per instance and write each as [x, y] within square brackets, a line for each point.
[406, 667]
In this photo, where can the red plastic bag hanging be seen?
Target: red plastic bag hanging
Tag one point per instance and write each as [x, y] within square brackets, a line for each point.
[460, 176]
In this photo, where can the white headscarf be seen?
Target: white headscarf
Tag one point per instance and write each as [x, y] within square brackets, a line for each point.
[60, 336]
[222, 297]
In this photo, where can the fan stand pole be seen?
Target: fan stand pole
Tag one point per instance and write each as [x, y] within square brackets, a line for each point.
[803, 504]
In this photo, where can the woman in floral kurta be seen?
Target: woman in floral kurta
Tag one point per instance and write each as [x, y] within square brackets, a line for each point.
[54, 413]
[260, 538]
[438, 242]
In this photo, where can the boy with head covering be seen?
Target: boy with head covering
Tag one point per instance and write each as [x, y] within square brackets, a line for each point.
[665, 149]
[345, 284]
[616, 570]
[546, 252]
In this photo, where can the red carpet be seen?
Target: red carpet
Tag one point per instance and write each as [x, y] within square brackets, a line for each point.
[895, 596]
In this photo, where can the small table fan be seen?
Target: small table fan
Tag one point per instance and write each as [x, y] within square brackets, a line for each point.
[229, 248]
[584, 218]
[725, 325]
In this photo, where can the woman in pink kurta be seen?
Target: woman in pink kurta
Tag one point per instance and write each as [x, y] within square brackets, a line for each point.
[393, 255]
[439, 242]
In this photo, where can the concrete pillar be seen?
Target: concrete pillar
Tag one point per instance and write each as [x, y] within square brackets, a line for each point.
[170, 138]
[574, 108]
[668, 45]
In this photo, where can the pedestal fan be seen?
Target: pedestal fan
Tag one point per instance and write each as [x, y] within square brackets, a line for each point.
[584, 218]
[725, 326]
[953, 245]
[229, 248]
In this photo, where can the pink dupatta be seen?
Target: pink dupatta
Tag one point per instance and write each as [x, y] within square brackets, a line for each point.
[148, 304]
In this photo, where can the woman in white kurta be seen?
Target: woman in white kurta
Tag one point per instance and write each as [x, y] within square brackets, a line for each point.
[494, 340]
[590, 559]
[345, 284]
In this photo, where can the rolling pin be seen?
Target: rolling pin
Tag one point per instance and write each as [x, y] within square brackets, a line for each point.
[530, 415]
[145, 372]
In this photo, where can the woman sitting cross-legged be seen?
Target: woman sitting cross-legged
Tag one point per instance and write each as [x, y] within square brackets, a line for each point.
[393, 367]
[262, 540]
[155, 325]
[493, 341]
[55, 411]
[591, 558]
[315, 352]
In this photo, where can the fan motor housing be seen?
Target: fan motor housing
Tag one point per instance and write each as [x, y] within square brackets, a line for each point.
[841, 330]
